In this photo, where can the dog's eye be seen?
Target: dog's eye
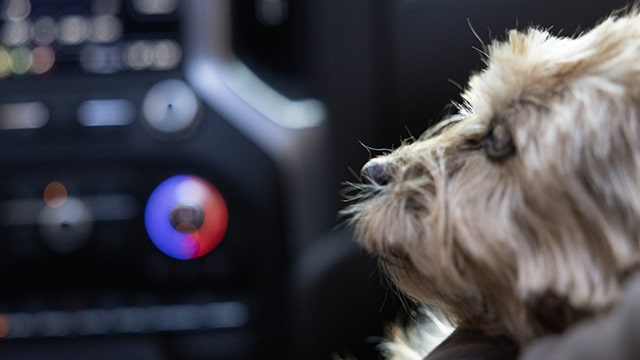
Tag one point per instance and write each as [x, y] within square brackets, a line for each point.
[498, 144]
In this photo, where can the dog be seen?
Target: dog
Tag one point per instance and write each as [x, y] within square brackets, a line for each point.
[519, 215]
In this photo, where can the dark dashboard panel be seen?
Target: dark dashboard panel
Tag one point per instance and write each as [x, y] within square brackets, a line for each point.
[93, 117]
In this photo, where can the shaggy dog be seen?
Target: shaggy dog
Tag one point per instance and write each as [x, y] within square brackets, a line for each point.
[520, 214]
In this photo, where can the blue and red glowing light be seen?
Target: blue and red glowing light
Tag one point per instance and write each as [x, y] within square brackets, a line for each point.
[186, 217]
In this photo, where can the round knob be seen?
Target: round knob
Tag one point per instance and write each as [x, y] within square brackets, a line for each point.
[170, 107]
[186, 217]
[65, 227]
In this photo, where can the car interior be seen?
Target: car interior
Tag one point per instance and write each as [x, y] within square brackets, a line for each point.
[173, 171]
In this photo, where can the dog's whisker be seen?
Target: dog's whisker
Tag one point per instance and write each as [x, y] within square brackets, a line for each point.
[371, 149]
[411, 138]
[480, 51]
[475, 34]
[354, 174]
[456, 84]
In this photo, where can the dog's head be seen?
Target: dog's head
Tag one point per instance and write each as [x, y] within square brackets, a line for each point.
[521, 213]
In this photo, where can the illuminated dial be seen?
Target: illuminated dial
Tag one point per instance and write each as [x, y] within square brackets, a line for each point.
[186, 217]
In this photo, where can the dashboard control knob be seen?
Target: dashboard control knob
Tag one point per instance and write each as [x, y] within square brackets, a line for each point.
[170, 107]
[65, 227]
[186, 217]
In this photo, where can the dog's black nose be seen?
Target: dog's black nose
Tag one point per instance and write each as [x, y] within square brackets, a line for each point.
[376, 172]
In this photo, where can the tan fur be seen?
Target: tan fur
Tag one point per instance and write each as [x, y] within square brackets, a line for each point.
[530, 243]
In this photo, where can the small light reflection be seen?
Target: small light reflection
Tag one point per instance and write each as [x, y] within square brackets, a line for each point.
[106, 112]
[106, 28]
[55, 194]
[166, 55]
[5, 326]
[43, 59]
[20, 60]
[101, 59]
[139, 55]
[16, 9]
[74, 30]
[5, 62]
[17, 33]
[155, 7]
[45, 30]
[27, 115]
[158, 55]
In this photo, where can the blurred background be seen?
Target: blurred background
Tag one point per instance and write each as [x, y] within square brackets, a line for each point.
[171, 170]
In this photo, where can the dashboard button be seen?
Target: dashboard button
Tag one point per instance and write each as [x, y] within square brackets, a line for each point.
[27, 115]
[170, 107]
[186, 217]
[106, 112]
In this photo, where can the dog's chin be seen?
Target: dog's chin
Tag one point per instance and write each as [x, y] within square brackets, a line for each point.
[385, 222]
[401, 235]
